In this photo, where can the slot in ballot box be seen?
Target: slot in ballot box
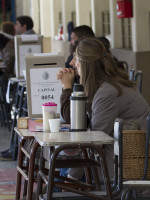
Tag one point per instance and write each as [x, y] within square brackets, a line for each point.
[42, 85]
[24, 45]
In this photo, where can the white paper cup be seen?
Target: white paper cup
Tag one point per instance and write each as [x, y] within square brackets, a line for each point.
[54, 125]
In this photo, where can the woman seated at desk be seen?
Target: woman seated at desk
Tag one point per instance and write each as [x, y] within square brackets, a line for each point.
[110, 93]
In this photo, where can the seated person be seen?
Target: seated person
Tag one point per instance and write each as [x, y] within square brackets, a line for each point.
[106, 43]
[110, 93]
[8, 27]
[78, 33]
[7, 53]
[24, 25]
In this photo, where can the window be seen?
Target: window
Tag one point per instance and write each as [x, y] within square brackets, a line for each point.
[106, 22]
[126, 33]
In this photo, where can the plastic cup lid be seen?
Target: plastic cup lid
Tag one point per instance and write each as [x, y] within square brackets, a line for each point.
[49, 104]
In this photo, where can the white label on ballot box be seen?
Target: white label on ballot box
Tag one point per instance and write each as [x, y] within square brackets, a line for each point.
[24, 50]
[44, 88]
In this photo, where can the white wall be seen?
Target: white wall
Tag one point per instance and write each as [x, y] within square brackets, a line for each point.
[49, 16]
[45, 18]
[98, 7]
[68, 6]
[83, 11]
[19, 7]
[56, 9]
[35, 14]
[115, 26]
[141, 25]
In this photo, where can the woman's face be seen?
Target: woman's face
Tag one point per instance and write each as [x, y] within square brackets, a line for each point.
[76, 64]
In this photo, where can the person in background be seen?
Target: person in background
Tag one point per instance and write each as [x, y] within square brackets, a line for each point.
[7, 54]
[7, 50]
[78, 33]
[8, 27]
[24, 25]
[110, 93]
[106, 43]
[6, 71]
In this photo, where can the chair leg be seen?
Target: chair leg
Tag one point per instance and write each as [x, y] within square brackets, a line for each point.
[15, 147]
[19, 176]
[25, 188]
[12, 130]
[105, 173]
[31, 171]
[40, 180]
[18, 186]
[25, 181]
[124, 195]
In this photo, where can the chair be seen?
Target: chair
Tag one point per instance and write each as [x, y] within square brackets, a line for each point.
[126, 66]
[136, 76]
[131, 74]
[4, 107]
[18, 111]
[131, 149]
[27, 154]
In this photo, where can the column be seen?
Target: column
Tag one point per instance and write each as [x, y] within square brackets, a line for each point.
[97, 7]
[115, 26]
[83, 12]
[141, 25]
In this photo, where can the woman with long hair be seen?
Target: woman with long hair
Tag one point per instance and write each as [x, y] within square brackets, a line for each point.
[110, 93]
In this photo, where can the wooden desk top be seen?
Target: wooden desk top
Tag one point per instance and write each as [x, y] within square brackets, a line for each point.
[60, 138]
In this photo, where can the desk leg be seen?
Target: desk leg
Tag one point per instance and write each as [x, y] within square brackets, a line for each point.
[40, 180]
[105, 171]
[19, 175]
[51, 174]
[31, 171]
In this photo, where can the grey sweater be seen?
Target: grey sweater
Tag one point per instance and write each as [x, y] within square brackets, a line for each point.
[106, 107]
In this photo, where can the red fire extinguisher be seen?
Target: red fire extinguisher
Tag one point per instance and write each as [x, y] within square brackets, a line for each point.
[124, 8]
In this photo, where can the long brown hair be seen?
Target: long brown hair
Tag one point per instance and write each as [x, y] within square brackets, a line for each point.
[98, 66]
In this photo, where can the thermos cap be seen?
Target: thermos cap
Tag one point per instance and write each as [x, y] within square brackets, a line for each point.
[78, 93]
[49, 104]
[78, 88]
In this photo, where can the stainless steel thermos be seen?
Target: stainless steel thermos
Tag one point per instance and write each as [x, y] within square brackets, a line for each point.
[78, 109]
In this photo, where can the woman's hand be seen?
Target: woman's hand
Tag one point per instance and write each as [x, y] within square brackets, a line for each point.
[66, 77]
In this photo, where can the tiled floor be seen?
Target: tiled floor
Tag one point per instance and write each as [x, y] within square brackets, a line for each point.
[4, 144]
[7, 169]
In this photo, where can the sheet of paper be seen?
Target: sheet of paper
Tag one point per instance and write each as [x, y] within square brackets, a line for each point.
[44, 88]
[24, 50]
